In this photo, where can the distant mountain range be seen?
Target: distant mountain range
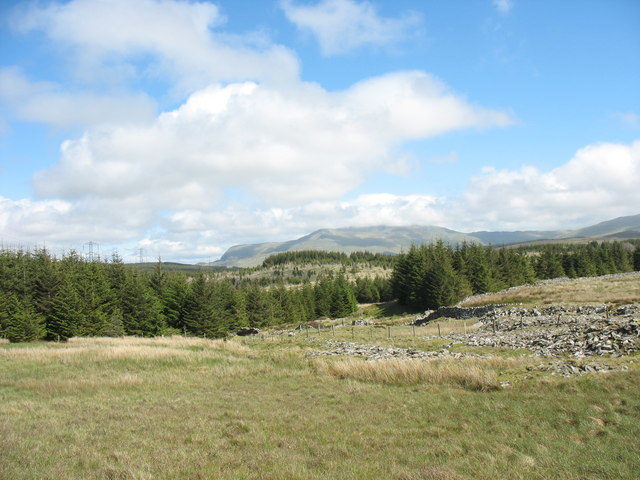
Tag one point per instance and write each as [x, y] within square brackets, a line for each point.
[393, 240]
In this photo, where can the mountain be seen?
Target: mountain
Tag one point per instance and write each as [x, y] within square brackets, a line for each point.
[504, 238]
[393, 240]
[618, 226]
[380, 239]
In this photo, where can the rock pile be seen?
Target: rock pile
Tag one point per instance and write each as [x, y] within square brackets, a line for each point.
[558, 330]
[376, 352]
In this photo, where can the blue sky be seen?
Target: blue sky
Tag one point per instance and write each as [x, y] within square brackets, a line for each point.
[187, 127]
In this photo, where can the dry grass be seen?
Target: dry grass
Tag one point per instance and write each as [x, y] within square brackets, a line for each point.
[176, 341]
[617, 290]
[473, 374]
[207, 412]
[125, 348]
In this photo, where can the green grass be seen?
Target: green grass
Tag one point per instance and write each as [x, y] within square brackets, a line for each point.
[188, 409]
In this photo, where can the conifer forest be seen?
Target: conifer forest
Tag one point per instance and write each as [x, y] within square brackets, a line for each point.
[44, 297]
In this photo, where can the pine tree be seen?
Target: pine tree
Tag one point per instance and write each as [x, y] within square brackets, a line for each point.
[20, 323]
[141, 309]
[260, 311]
[443, 286]
[323, 293]
[343, 300]
[65, 313]
[198, 308]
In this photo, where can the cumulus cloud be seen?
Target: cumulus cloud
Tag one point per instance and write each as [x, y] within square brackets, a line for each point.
[341, 26]
[61, 222]
[179, 38]
[48, 103]
[601, 181]
[281, 147]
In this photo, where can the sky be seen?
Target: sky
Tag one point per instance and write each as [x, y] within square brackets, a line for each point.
[184, 127]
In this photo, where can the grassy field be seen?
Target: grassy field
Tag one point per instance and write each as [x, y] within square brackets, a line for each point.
[621, 289]
[185, 408]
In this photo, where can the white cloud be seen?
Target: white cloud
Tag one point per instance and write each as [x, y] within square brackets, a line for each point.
[344, 25]
[177, 38]
[601, 181]
[47, 103]
[503, 6]
[61, 222]
[281, 147]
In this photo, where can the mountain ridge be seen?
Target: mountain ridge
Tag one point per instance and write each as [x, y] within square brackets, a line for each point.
[393, 240]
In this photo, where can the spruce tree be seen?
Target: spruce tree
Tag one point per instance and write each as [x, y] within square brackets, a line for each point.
[198, 308]
[21, 323]
[141, 309]
[65, 314]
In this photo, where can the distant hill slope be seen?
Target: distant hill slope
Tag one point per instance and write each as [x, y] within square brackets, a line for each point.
[381, 239]
[392, 240]
[610, 228]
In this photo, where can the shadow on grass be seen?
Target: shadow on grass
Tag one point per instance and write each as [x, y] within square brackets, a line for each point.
[386, 310]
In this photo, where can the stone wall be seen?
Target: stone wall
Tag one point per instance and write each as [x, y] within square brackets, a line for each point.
[457, 312]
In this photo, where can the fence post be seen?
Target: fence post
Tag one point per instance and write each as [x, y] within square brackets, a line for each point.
[388, 332]
[439, 334]
[465, 327]
[353, 334]
[414, 330]
[333, 331]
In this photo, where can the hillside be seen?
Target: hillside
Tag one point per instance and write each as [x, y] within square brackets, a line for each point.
[621, 226]
[380, 239]
[393, 240]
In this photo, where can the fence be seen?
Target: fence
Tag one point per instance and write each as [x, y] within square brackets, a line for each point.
[367, 333]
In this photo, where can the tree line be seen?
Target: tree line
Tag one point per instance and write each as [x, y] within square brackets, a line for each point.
[55, 299]
[430, 276]
[45, 297]
[320, 257]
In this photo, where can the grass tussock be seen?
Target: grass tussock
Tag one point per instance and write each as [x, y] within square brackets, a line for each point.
[472, 374]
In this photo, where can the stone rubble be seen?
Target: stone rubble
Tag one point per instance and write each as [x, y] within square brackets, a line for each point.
[580, 331]
[376, 352]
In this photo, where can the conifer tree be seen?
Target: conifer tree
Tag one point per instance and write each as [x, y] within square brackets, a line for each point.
[141, 309]
[65, 314]
[198, 309]
[20, 323]
[343, 300]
